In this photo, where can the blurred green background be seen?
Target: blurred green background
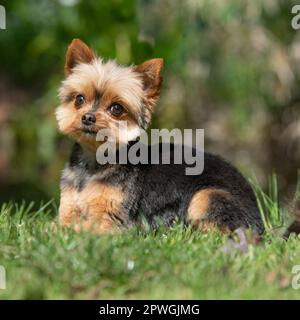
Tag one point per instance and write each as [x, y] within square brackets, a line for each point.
[231, 67]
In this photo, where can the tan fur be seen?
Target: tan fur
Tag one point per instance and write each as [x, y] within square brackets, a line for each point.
[116, 85]
[136, 88]
[106, 77]
[69, 212]
[199, 208]
[150, 71]
[92, 208]
[78, 52]
[101, 83]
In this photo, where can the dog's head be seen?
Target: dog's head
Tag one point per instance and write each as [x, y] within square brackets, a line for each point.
[100, 95]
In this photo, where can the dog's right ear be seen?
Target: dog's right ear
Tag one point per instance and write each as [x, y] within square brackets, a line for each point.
[78, 52]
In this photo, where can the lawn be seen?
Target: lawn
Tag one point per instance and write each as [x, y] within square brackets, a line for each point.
[45, 261]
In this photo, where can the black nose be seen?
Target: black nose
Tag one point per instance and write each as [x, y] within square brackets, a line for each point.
[88, 119]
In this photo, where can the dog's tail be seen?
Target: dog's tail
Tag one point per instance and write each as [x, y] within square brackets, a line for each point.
[295, 226]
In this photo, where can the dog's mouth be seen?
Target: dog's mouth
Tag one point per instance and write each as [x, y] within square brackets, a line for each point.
[89, 131]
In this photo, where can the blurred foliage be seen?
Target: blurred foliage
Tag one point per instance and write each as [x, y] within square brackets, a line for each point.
[231, 67]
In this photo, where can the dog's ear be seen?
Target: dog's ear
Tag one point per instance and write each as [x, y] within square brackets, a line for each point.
[78, 52]
[151, 76]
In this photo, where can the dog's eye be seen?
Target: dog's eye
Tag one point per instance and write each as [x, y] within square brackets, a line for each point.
[79, 100]
[116, 109]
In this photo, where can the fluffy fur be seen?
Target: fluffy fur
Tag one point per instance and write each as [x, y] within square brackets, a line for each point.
[105, 198]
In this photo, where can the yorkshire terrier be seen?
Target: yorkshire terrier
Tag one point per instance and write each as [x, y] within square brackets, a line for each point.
[99, 95]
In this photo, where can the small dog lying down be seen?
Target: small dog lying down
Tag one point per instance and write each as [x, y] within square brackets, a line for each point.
[111, 197]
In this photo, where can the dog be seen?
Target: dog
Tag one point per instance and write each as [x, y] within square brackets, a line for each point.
[105, 198]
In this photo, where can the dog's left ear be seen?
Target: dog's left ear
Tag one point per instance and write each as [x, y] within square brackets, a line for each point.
[78, 52]
[151, 76]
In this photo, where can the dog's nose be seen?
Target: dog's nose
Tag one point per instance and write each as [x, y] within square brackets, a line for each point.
[88, 119]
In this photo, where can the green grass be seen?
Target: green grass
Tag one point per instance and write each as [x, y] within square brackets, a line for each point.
[44, 261]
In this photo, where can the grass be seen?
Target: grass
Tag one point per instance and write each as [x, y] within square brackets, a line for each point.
[44, 261]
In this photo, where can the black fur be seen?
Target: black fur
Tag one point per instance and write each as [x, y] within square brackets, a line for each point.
[162, 192]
